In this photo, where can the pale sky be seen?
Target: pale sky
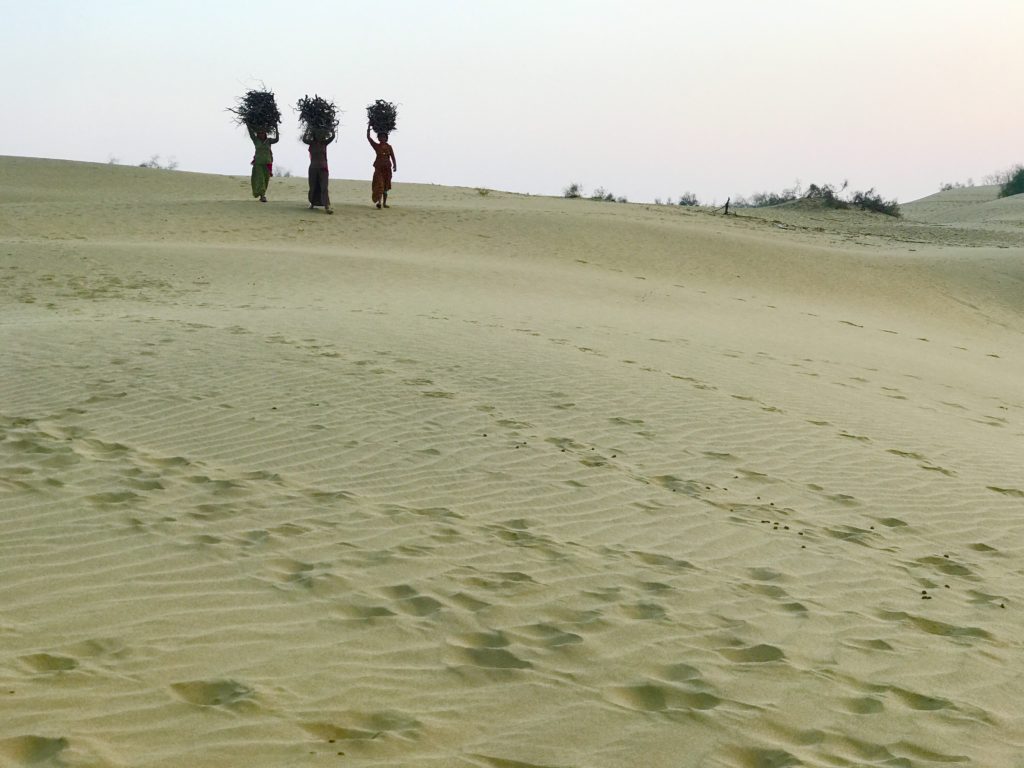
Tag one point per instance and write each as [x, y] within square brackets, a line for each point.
[647, 98]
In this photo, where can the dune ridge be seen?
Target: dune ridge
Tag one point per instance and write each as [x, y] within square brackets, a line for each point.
[503, 481]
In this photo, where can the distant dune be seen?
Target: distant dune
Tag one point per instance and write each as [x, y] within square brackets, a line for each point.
[504, 481]
[972, 207]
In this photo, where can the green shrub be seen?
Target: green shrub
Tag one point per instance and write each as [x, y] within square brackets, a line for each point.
[574, 191]
[948, 186]
[603, 195]
[765, 199]
[826, 193]
[871, 201]
[154, 162]
[1014, 183]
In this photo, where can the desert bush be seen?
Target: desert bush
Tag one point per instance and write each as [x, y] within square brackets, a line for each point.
[1000, 177]
[154, 162]
[765, 199]
[871, 201]
[601, 194]
[826, 193]
[574, 190]
[688, 199]
[1013, 183]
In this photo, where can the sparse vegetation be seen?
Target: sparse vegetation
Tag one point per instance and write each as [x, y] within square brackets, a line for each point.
[872, 201]
[573, 191]
[948, 186]
[764, 199]
[688, 199]
[1013, 182]
[154, 162]
[483, 191]
[826, 195]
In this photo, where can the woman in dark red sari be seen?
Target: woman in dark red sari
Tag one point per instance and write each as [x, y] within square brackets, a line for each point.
[319, 176]
[383, 166]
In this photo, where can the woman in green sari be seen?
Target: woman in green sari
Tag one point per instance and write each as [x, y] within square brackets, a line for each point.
[262, 161]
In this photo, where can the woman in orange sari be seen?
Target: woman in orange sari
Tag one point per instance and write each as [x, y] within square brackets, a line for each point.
[383, 166]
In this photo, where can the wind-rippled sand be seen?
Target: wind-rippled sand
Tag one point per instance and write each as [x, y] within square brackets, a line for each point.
[504, 481]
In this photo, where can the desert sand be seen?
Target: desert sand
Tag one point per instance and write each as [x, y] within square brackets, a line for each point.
[504, 481]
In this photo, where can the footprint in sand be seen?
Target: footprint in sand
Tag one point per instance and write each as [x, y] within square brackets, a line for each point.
[33, 750]
[46, 663]
[364, 727]
[214, 693]
[409, 601]
[489, 650]
[755, 654]
[661, 697]
[1014, 492]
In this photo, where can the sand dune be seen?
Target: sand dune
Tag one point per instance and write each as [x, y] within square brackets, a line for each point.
[971, 207]
[504, 481]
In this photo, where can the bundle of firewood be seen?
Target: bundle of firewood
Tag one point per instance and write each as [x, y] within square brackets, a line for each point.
[383, 116]
[317, 117]
[257, 110]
